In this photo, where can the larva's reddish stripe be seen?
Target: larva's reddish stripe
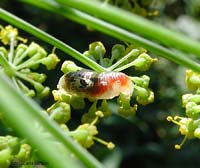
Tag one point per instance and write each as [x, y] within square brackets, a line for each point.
[90, 84]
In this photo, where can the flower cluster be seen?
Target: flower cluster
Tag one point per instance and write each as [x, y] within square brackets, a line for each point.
[12, 149]
[19, 61]
[122, 58]
[189, 126]
[79, 78]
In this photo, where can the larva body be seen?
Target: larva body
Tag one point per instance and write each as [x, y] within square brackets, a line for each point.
[105, 85]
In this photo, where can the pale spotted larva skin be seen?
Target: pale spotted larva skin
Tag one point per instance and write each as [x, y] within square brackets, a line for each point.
[89, 84]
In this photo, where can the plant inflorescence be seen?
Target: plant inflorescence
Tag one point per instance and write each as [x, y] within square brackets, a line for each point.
[20, 62]
[189, 126]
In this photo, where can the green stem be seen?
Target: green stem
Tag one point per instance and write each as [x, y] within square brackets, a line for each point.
[30, 62]
[24, 77]
[8, 69]
[53, 145]
[6, 16]
[132, 53]
[116, 32]
[18, 58]
[11, 52]
[135, 23]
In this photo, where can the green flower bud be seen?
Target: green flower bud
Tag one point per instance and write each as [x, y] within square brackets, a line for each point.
[145, 97]
[13, 143]
[5, 157]
[105, 62]
[84, 134]
[51, 61]
[124, 101]
[7, 34]
[77, 102]
[38, 87]
[96, 50]
[9, 141]
[192, 109]
[186, 98]
[60, 112]
[32, 49]
[143, 62]
[24, 153]
[45, 92]
[39, 77]
[187, 127]
[127, 111]
[192, 79]
[105, 108]
[142, 81]
[118, 51]
[125, 108]
[29, 93]
[197, 133]
[21, 48]
[61, 95]
[69, 66]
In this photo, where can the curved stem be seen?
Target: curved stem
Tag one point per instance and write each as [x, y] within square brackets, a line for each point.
[116, 32]
[4, 15]
[132, 53]
[135, 23]
[29, 120]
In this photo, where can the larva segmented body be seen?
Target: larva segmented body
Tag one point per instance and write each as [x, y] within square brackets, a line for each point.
[90, 84]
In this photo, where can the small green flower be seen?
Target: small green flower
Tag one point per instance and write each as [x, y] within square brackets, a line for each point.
[125, 108]
[60, 112]
[144, 96]
[192, 80]
[20, 60]
[69, 66]
[12, 149]
[96, 51]
[9, 33]
[143, 62]
[192, 110]
[50, 61]
[186, 128]
[86, 133]
[24, 153]
[61, 95]
[5, 157]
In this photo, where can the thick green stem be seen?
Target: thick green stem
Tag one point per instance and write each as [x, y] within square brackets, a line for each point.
[6, 16]
[53, 145]
[117, 32]
[135, 23]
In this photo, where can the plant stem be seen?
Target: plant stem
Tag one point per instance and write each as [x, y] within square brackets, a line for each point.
[11, 52]
[135, 23]
[8, 69]
[132, 53]
[6, 16]
[116, 32]
[28, 120]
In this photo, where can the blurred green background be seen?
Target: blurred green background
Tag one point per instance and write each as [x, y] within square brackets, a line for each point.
[147, 139]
